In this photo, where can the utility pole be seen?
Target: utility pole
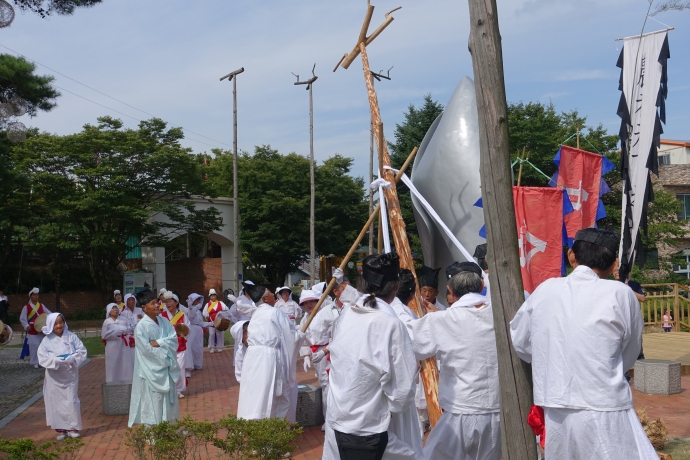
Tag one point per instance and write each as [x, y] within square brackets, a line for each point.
[312, 244]
[518, 440]
[235, 204]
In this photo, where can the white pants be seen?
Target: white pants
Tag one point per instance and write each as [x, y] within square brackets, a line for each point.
[216, 339]
[466, 437]
[321, 369]
[181, 383]
[573, 434]
[34, 341]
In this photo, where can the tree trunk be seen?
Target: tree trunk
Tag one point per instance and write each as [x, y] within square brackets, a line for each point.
[518, 440]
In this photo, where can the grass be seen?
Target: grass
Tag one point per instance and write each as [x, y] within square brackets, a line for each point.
[93, 345]
[679, 450]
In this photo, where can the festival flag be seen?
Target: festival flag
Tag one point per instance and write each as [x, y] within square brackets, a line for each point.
[580, 174]
[642, 108]
[539, 215]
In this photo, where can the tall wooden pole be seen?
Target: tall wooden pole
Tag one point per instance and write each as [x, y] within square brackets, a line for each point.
[312, 199]
[371, 192]
[378, 130]
[429, 370]
[518, 440]
[235, 189]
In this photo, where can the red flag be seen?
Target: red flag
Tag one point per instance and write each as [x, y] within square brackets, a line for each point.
[539, 218]
[579, 173]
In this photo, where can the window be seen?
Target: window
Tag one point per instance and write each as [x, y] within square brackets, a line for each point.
[683, 270]
[685, 208]
[664, 159]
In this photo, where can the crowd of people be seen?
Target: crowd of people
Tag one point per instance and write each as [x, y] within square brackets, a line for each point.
[580, 333]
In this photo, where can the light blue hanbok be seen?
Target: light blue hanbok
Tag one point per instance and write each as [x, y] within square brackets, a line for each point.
[154, 398]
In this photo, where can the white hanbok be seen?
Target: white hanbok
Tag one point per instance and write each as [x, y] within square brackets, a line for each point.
[291, 309]
[195, 341]
[216, 339]
[183, 355]
[268, 371]
[372, 375]
[130, 318]
[154, 397]
[463, 339]
[61, 383]
[581, 333]
[114, 332]
[28, 316]
[237, 332]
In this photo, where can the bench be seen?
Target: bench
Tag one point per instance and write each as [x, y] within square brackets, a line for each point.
[657, 377]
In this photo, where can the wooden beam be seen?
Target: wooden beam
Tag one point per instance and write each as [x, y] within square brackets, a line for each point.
[518, 440]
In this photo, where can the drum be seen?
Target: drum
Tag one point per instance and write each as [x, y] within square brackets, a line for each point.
[182, 329]
[5, 333]
[40, 322]
[221, 324]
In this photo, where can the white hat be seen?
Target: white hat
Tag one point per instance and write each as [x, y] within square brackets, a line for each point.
[284, 288]
[116, 292]
[212, 292]
[162, 291]
[33, 291]
[109, 307]
[318, 288]
[307, 295]
[171, 295]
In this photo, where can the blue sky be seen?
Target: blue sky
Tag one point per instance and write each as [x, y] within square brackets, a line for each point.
[165, 57]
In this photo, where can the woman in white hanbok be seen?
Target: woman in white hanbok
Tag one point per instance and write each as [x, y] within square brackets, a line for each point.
[114, 335]
[61, 353]
[195, 341]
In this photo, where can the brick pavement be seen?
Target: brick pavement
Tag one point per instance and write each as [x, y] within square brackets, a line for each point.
[674, 410]
[212, 394]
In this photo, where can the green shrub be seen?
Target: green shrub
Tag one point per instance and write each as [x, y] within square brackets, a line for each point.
[267, 439]
[26, 449]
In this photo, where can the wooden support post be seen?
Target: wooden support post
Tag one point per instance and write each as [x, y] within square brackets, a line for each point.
[518, 440]
[522, 158]
[429, 371]
[676, 305]
[379, 145]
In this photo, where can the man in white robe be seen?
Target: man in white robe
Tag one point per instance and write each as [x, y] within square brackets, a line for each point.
[114, 334]
[154, 398]
[581, 333]
[372, 367]
[30, 312]
[244, 307]
[61, 353]
[268, 383]
[464, 341]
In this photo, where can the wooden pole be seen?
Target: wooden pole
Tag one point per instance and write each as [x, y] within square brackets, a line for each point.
[312, 199]
[429, 371]
[578, 137]
[676, 305]
[371, 192]
[522, 158]
[235, 191]
[379, 144]
[518, 440]
[358, 240]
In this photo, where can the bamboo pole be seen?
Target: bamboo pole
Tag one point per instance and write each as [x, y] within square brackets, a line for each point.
[358, 240]
[379, 147]
[522, 158]
[517, 438]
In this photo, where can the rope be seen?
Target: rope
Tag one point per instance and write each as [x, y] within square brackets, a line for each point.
[526, 161]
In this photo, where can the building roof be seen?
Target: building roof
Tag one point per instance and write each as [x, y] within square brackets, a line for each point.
[678, 143]
[673, 175]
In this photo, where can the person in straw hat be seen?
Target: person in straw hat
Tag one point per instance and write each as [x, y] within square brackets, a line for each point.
[173, 313]
[28, 316]
[61, 353]
[214, 308]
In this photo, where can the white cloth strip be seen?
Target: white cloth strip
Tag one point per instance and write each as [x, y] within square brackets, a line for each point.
[382, 184]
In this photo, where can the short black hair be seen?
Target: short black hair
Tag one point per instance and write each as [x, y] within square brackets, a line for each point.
[593, 255]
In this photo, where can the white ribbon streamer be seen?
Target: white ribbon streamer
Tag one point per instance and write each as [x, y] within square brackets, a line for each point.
[382, 184]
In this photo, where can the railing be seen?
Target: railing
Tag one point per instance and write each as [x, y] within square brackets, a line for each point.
[671, 296]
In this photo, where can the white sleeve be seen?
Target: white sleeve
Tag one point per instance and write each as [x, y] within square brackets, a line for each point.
[111, 330]
[399, 381]
[204, 313]
[632, 335]
[22, 318]
[521, 331]
[424, 342]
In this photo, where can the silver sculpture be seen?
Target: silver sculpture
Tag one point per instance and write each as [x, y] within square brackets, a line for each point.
[446, 173]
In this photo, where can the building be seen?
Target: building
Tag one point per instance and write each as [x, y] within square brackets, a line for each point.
[674, 152]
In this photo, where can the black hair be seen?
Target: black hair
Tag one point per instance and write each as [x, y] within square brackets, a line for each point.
[375, 291]
[145, 296]
[379, 277]
[407, 286]
[593, 255]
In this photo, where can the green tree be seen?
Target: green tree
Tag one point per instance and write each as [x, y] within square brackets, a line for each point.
[93, 190]
[274, 206]
[17, 79]
[408, 135]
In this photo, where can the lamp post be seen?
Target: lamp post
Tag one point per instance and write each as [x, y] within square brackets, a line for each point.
[235, 204]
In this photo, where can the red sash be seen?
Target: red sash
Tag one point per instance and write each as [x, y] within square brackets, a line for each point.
[179, 317]
[214, 310]
[31, 316]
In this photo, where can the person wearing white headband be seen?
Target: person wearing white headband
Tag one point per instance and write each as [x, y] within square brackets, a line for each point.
[61, 353]
[117, 296]
[214, 308]
[115, 335]
[176, 316]
[30, 312]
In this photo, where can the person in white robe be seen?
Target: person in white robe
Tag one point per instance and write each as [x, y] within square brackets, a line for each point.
[464, 340]
[176, 316]
[30, 312]
[214, 308]
[195, 341]
[581, 333]
[373, 367]
[115, 335]
[287, 305]
[268, 381]
[154, 396]
[131, 314]
[239, 332]
[61, 353]
[244, 307]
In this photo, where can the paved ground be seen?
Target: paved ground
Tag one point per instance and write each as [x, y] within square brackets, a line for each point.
[213, 394]
[18, 380]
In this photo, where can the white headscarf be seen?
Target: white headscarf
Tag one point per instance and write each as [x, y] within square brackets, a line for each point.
[306, 295]
[318, 288]
[127, 296]
[33, 291]
[171, 295]
[192, 298]
[109, 307]
[50, 323]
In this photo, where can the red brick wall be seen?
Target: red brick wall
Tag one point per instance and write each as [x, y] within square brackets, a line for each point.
[70, 302]
[194, 275]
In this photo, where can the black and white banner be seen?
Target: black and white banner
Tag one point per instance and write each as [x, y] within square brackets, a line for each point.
[644, 88]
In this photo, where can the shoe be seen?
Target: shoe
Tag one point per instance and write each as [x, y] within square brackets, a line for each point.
[180, 395]
[35, 366]
[212, 350]
[188, 374]
[61, 436]
[323, 427]
[73, 434]
[219, 350]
